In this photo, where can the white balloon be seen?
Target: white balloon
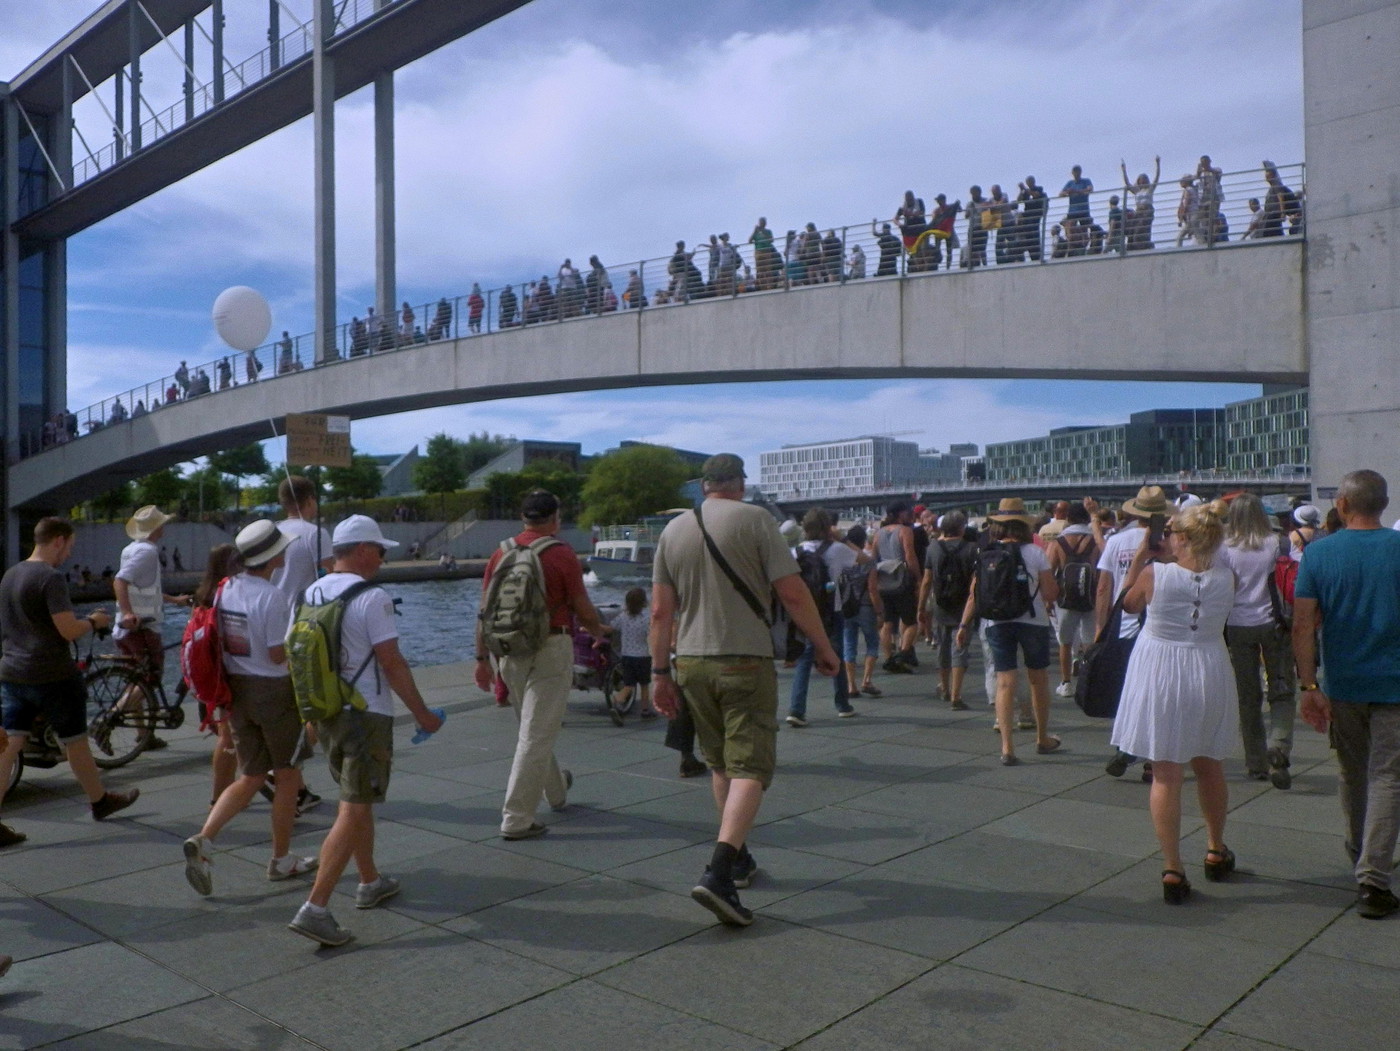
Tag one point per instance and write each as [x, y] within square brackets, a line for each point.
[242, 317]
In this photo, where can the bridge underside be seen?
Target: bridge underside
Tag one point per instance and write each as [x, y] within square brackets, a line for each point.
[1230, 315]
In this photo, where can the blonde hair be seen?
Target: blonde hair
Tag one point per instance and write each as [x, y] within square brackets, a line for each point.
[1247, 523]
[1203, 527]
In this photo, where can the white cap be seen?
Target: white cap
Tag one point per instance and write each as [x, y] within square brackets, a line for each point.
[360, 529]
[1186, 500]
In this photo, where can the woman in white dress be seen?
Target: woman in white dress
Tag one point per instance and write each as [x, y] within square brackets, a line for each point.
[1179, 704]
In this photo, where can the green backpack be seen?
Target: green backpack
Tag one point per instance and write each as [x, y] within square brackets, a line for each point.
[515, 610]
[313, 655]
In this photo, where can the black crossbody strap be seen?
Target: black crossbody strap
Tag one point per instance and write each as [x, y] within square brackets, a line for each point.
[739, 586]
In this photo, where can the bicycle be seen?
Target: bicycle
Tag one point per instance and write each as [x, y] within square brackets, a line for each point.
[126, 704]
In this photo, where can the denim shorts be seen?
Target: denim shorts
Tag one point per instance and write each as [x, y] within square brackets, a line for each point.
[862, 625]
[1034, 640]
[62, 703]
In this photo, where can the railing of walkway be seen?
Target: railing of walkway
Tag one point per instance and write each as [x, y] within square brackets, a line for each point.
[198, 99]
[759, 263]
[1067, 485]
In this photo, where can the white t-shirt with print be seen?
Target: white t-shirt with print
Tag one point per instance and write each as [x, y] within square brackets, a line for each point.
[1117, 558]
[368, 621]
[253, 617]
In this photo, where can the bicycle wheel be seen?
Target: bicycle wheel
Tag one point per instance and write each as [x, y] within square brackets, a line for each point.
[612, 686]
[118, 732]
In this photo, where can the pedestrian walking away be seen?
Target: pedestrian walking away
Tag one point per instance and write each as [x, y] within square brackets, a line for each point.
[531, 591]
[253, 618]
[711, 568]
[1349, 583]
[359, 739]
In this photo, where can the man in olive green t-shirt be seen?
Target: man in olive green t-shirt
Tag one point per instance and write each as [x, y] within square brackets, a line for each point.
[724, 658]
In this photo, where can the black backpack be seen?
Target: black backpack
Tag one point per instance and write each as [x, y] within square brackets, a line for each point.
[811, 566]
[1079, 579]
[851, 588]
[1003, 583]
[954, 579]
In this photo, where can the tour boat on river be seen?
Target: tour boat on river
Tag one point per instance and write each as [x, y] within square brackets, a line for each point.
[624, 553]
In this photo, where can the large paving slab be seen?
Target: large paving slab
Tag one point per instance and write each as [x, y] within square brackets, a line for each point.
[911, 893]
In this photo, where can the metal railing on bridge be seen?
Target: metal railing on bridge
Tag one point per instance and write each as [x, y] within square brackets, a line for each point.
[1256, 205]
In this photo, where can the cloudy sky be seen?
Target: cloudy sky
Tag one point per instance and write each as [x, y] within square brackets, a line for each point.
[579, 126]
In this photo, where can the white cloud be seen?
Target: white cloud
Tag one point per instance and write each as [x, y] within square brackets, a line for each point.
[517, 147]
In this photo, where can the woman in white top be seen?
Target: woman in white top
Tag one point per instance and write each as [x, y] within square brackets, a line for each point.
[1308, 519]
[1139, 221]
[1178, 704]
[1256, 635]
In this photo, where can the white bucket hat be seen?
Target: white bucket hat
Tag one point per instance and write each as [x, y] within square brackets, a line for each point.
[360, 529]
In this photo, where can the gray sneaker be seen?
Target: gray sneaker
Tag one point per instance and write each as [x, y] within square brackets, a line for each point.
[322, 928]
[295, 867]
[197, 872]
[371, 894]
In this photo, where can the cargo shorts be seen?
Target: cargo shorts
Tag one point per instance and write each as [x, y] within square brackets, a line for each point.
[733, 701]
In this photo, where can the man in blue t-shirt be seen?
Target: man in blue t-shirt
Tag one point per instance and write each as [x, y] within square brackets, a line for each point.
[1078, 190]
[1350, 583]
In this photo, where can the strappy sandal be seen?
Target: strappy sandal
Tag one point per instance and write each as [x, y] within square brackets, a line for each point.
[1222, 866]
[1177, 891]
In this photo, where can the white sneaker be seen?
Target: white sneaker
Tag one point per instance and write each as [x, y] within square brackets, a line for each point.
[197, 872]
[1065, 689]
[796, 720]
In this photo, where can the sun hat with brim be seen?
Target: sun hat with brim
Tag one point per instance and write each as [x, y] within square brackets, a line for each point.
[1012, 509]
[259, 543]
[1185, 500]
[1150, 500]
[360, 529]
[1307, 515]
[146, 521]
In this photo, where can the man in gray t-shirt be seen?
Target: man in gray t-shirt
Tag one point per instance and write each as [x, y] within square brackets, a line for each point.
[37, 672]
[724, 657]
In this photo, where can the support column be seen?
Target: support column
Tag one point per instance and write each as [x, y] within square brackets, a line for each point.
[134, 46]
[119, 113]
[323, 125]
[216, 36]
[189, 72]
[1351, 103]
[274, 35]
[385, 262]
[9, 315]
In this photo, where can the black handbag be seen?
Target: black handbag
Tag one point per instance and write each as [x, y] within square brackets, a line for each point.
[1103, 668]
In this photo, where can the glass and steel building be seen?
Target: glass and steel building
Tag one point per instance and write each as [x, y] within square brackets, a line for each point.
[1268, 432]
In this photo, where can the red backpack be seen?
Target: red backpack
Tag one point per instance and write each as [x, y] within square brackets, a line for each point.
[202, 661]
[1286, 568]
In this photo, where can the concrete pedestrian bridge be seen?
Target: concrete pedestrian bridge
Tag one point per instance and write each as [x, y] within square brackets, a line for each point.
[1233, 314]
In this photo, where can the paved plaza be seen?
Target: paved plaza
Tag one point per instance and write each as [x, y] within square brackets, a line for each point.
[912, 893]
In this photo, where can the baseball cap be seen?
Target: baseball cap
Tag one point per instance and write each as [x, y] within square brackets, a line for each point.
[360, 529]
[538, 504]
[723, 467]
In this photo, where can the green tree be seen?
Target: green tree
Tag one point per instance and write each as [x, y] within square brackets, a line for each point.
[505, 490]
[480, 449]
[164, 489]
[443, 466]
[240, 462]
[114, 503]
[206, 490]
[627, 484]
[360, 481]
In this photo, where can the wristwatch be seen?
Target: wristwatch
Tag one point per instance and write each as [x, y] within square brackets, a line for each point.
[482, 657]
[661, 671]
[1310, 687]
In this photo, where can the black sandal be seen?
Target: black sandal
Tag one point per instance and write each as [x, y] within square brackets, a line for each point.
[1176, 892]
[1224, 865]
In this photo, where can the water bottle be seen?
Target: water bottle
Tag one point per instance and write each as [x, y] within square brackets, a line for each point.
[422, 735]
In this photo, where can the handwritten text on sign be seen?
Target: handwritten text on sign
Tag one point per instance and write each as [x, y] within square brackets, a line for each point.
[316, 440]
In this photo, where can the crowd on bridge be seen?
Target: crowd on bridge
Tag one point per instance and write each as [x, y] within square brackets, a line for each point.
[1192, 623]
[996, 229]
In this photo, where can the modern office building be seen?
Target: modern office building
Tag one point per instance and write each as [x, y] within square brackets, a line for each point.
[1268, 433]
[864, 464]
[1155, 441]
[521, 453]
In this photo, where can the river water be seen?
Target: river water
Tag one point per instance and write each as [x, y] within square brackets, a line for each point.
[437, 620]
